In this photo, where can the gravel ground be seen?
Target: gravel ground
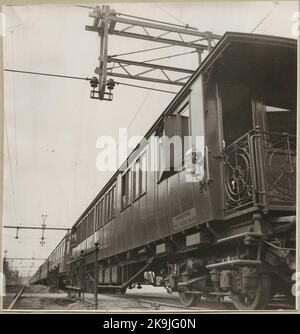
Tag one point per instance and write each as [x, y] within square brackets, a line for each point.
[39, 297]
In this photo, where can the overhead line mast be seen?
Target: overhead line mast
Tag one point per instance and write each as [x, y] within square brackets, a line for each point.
[107, 21]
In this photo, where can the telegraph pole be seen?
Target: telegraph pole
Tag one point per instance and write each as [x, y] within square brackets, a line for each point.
[44, 217]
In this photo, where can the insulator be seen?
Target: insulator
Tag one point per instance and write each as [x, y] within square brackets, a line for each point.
[110, 84]
[94, 82]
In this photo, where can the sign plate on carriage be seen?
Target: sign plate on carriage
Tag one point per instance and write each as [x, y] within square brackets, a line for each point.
[193, 239]
[186, 218]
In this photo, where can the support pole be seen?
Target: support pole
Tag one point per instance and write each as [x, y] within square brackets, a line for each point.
[96, 275]
[82, 275]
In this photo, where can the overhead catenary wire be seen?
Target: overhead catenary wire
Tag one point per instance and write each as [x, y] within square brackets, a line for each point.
[144, 50]
[26, 258]
[187, 26]
[138, 111]
[85, 78]
[182, 25]
[13, 98]
[264, 18]
[47, 74]
[144, 87]
[10, 169]
[134, 117]
[36, 228]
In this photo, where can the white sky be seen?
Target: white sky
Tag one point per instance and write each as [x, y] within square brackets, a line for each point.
[52, 124]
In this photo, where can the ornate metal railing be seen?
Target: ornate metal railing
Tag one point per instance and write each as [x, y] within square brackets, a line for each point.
[279, 162]
[238, 174]
[260, 169]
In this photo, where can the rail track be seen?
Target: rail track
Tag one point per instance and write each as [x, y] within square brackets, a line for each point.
[163, 302]
[26, 298]
[16, 298]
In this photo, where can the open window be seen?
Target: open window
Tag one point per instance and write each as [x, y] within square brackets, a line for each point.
[236, 110]
[140, 176]
[125, 189]
[172, 144]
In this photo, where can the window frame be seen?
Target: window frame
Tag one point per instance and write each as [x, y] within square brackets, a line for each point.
[128, 186]
[138, 176]
[110, 204]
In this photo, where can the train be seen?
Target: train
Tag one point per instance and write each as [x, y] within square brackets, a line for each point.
[220, 222]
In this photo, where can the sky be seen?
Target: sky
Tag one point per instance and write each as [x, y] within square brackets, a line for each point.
[51, 124]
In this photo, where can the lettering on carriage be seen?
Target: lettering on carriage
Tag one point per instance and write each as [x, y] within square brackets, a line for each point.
[186, 218]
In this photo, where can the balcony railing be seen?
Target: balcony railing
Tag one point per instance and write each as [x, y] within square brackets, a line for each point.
[260, 170]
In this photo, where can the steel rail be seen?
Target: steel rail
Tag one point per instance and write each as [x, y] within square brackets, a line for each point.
[12, 304]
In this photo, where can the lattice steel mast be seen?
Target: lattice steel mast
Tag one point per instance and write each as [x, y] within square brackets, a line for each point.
[107, 21]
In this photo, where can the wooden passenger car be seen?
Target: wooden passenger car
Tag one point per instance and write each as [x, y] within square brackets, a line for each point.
[223, 224]
[53, 271]
[41, 275]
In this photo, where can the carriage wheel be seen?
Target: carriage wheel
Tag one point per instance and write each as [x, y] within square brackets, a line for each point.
[257, 300]
[189, 299]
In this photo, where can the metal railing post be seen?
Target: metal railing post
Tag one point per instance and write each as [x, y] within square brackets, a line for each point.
[260, 167]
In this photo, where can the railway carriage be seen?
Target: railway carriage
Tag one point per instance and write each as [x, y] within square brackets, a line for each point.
[53, 271]
[57, 263]
[221, 221]
[41, 275]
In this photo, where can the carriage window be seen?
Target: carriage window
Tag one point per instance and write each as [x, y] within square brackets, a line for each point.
[84, 228]
[140, 176]
[135, 176]
[172, 144]
[92, 222]
[185, 111]
[125, 189]
[143, 173]
[107, 207]
[79, 231]
[97, 221]
[101, 213]
[281, 120]
[111, 209]
[89, 223]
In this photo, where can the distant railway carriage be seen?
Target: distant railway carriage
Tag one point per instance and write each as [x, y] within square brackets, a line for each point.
[53, 271]
[41, 275]
[223, 224]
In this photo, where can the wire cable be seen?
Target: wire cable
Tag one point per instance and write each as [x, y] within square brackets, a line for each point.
[264, 18]
[11, 173]
[82, 78]
[144, 87]
[177, 19]
[13, 99]
[47, 74]
[182, 25]
[145, 50]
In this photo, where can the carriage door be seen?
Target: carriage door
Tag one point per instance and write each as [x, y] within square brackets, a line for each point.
[237, 123]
